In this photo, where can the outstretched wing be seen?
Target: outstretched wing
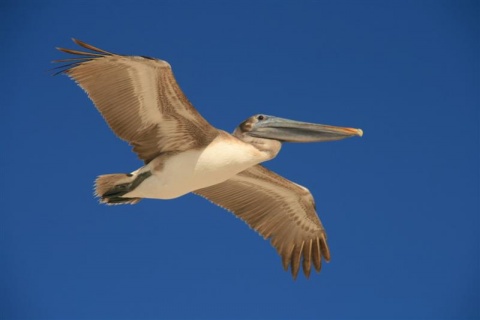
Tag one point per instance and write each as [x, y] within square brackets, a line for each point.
[279, 210]
[140, 100]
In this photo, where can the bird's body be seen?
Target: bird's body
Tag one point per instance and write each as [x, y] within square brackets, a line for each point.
[176, 174]
[143, 104]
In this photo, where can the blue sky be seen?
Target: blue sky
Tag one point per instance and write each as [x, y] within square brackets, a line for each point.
[400, 205]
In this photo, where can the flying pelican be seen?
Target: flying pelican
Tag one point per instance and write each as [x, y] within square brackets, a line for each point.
[142, 103]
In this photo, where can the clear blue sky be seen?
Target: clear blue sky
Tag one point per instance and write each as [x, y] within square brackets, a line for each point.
[401, 204]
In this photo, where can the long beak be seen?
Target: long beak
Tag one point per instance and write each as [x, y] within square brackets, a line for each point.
[296, 131]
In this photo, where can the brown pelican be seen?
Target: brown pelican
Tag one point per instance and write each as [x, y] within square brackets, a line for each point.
[143, 104]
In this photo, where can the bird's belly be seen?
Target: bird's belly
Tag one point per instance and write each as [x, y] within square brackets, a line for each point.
[187, 171]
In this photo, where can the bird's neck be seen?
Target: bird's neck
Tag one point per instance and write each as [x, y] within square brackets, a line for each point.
[270, 148]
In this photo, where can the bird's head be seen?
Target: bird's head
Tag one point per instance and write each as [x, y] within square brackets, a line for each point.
[284, 130]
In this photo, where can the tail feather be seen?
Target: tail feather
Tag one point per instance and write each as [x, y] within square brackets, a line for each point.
[111, 187]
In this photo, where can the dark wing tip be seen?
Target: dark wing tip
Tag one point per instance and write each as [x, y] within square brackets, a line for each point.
[80, 56]
[296, 258]
[324, 247]
[308, 252]
[307, 258]
[90, 47]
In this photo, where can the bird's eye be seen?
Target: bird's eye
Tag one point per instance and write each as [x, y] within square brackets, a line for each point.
[261, 117]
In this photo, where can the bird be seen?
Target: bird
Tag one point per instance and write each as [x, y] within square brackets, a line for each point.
[142, 103]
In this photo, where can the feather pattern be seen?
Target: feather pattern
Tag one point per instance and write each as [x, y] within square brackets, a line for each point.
[279, 210]
[142, 103]
[140, 100]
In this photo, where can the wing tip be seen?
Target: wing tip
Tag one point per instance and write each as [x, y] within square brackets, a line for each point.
[324, 247]
[80, 56]
[90, 47]
[307, 252]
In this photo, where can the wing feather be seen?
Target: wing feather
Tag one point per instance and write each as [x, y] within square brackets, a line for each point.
[140, 100]
[279, 210]
[317, 255]
[307, 257]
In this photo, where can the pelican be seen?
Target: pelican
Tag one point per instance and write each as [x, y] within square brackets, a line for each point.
[142, 103]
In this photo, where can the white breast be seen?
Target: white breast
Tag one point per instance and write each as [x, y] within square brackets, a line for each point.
[195, 169]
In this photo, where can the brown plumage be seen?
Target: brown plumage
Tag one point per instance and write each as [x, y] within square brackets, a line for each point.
[279, 210]
[140, 100]
[142, 103]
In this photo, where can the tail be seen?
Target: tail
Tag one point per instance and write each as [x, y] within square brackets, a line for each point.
[111, 187]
